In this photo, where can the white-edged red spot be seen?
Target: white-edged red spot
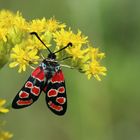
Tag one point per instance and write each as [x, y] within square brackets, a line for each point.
[29, 84]
[61, 89]
[26, 102]
[52, 93]
[35, 90]
[23, 94]
[55, 107]
[38, 74]
[58, 77]
[60, 100]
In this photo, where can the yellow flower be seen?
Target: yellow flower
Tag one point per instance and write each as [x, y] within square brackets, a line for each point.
[4, 135]
[12, 26]
[94, 69]
[37, 25]
[2, 109]
[6, 19]
[52, 25]
[94, 53]
[76, 52]
[34, 43]
[19, 22]
[43, 25]
[23, 57]
[25, 49]
[63, 37]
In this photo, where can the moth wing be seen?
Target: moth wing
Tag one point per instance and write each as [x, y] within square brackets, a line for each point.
[56, 94]
[31, 90]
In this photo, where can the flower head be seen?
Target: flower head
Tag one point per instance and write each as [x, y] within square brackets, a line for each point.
[6, 19]
[76, 52]
[94, 69]
[20, 22]
[92, 65]
[43, 25]
[23, 57]
[63, 37]
[94, 53]
[37, 25]
[52, 25]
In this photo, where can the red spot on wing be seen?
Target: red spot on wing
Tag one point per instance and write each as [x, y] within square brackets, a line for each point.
[29, 84]
[35, 90]
[61, 100]
[55, 107]
[26, 102]
[38, 73]
[61, 89]
[23, 94]
[52, 93]
[58, 77]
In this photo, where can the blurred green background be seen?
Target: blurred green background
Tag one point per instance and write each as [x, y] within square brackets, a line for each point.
[107, 110]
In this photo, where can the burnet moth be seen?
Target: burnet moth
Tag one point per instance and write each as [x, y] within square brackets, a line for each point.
[47, 77]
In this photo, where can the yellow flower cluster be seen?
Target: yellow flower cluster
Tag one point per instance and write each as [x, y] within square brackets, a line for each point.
[25, 49]
[4, 135]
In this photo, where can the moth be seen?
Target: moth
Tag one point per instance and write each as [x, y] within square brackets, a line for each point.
[47, 77]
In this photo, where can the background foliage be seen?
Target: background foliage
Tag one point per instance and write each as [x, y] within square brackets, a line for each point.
[107, 110]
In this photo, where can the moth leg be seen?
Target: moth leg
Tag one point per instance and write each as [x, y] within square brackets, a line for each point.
[66, 66]
[65, 58]
[42, 56]
[32, 67]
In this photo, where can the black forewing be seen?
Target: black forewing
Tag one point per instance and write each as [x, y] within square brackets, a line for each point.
[31, 90]
[56, 94]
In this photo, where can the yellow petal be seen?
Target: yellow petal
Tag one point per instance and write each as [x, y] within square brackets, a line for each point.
[3, 110]
[89, 76]
[20, 69]
[13, 55]
[24, 67]
[97, 77]
[13, 64]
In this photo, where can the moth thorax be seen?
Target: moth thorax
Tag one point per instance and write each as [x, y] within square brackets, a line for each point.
[52, 56]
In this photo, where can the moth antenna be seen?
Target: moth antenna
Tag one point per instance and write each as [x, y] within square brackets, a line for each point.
[68, 45]
[34, 33]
